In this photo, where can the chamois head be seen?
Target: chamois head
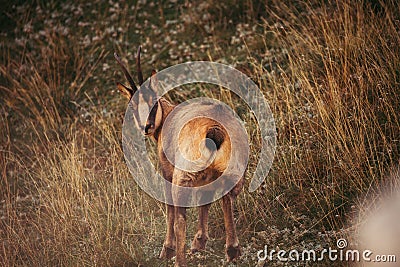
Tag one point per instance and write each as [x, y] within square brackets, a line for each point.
[147, 111]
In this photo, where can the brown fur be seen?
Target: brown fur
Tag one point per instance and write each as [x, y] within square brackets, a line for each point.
[190, 138]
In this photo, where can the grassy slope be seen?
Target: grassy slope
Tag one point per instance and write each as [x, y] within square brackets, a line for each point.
[330, 73]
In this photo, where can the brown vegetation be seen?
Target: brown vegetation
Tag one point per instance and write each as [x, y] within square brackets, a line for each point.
[330, 72]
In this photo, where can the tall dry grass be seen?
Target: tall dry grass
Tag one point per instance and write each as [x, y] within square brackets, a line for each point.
[330, 72]
[66, 197]
[337, 101]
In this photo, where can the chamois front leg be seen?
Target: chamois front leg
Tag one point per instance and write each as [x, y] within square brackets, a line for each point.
[168, 250]
[232, 243]
[201, 237]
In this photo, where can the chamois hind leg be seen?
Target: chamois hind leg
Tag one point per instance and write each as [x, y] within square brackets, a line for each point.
[180, 233]
[168, 250]
[201, 237]
[232, 248]
[182, 179]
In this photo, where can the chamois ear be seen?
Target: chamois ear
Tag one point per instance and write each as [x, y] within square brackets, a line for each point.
[126, 91]
[158, 108]
[153, 81]
[159, 115]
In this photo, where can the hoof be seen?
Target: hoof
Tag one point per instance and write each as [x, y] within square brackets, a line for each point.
[198, 243]
[167, 252]
[233, 253]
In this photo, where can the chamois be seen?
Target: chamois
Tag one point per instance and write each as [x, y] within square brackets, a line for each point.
[198, 132]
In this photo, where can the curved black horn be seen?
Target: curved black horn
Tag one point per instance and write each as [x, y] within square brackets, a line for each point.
[139, 70]
[126, 72]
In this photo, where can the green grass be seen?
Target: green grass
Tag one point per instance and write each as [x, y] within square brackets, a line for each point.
[331, 74]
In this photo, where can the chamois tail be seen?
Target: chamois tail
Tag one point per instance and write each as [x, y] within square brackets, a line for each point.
[214, 135]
